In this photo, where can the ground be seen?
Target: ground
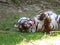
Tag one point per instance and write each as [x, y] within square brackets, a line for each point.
[38, 38]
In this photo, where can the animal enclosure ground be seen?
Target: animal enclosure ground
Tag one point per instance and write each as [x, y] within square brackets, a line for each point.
[38, 38]
[16, 38]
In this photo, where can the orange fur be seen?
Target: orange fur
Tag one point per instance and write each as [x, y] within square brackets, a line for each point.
[47, 21]
[47, 27]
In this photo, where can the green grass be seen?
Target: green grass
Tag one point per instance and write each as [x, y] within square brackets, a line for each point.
[9, 38]
[14, 38]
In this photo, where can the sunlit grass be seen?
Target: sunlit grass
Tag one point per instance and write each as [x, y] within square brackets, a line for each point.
[38, 38]
[45, 40]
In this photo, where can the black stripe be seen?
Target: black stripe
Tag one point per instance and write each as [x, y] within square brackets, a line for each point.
[59, 20]
[37, 25]
[56, 17]
[53, 27]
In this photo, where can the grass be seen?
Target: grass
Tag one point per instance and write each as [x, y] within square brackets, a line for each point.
[12, 38]
[9, 38]
[17, 38]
